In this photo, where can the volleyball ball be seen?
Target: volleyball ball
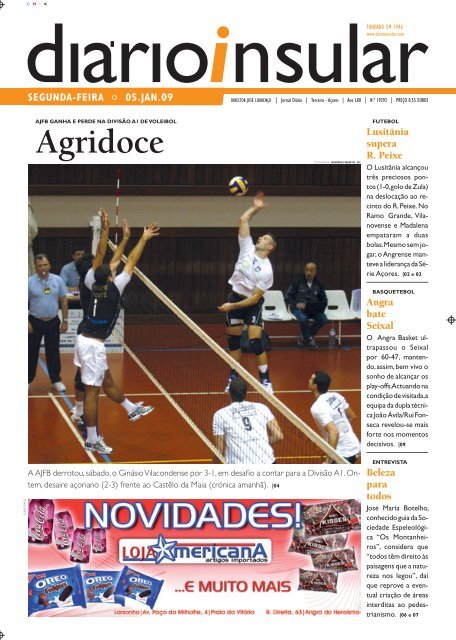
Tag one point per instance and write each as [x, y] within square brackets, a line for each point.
[238, 186]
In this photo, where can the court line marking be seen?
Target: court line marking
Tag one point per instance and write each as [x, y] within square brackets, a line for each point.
[187, 418]
[168, 396]
[163, 392]
[72, 427]
[63, 394]
[308, 431]
[203, 393]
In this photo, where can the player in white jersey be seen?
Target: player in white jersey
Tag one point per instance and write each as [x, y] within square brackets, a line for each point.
[244, 431]
[334, 417]
[252, 276]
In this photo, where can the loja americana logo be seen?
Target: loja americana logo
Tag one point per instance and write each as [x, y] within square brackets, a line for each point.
[195, 551]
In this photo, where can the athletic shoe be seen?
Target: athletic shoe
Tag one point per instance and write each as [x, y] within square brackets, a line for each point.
[58, 386]
[311, 344]
[99, 446]
[139, 412]
[230, 380]
[75, 416]
[268, 386]
[81, 425]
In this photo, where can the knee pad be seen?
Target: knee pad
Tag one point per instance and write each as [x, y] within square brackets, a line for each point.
[234, 343]
[78, 384]
[256, 346]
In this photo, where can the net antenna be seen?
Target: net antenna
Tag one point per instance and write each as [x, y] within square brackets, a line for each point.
[95, 223]
[305, 429]
[117, 206]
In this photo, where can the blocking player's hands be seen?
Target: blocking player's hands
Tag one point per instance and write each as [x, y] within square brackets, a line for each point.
[103, 241]
[104, 219]
[151, 231]
[118, 253]
[125, 230]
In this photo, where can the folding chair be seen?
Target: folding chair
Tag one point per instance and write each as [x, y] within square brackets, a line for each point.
[355, 303]
[274, 307]
[338, 310]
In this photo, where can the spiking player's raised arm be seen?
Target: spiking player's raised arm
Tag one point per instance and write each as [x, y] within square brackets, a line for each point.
[252, 276]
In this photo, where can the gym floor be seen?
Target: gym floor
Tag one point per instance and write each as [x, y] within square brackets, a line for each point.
[189, 392]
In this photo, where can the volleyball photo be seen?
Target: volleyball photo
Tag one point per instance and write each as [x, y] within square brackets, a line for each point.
[238, 186]
[173, 347]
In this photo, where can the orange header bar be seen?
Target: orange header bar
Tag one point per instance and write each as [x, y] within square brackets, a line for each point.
[138, 96]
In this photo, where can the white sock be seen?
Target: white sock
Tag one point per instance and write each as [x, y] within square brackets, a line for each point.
[79, 408]
[92, 434]
[263, 368]
[128, 406]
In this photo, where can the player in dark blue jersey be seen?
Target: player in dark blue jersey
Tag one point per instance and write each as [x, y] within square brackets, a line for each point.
[88, 261]
[90, 353]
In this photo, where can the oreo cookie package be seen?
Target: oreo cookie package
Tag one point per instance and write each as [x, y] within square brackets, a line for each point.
[138, 586]
[55, 589]
[100, 586]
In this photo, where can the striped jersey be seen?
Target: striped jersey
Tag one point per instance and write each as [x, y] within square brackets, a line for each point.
[330, 407]
[244, 426]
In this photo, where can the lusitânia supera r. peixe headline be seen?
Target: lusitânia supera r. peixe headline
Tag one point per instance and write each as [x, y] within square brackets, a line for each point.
[289, 62]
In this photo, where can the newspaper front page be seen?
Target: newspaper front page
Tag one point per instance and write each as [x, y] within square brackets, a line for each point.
[325, 133]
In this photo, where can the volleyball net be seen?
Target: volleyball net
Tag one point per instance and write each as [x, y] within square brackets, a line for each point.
[189, 365]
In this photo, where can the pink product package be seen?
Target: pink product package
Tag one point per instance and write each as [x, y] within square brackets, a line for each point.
[339, 560]
[40, 520]
[331, 517]
[63, 529]
[301, 544]
[81, 545]
[98, 540]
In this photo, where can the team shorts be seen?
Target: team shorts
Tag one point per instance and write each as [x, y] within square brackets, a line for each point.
[90, 355]
[247, 315]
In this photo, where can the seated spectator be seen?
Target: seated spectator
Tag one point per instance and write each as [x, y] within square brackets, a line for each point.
[69, 273]
[306, 299]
